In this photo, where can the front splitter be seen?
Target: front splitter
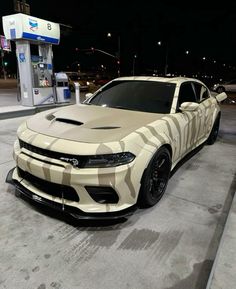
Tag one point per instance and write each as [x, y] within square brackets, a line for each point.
[65, 209]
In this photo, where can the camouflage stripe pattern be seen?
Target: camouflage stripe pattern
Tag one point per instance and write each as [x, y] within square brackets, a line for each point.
[140, 133]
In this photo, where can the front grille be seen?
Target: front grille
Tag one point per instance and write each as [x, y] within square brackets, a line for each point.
[49, 188]
[79, 160]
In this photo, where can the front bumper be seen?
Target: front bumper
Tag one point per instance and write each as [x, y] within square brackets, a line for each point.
[61, 207]
[57, 172]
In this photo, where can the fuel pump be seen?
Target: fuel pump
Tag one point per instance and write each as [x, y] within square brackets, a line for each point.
[42, 84]
[35, 71]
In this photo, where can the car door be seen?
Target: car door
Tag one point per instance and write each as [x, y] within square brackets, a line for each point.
[190, 120]
[207, 107]
[202, 95]
[231, 86]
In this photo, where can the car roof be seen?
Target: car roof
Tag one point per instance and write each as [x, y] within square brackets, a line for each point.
[176, 80]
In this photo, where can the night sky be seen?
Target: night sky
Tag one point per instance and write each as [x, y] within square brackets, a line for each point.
[204, 28]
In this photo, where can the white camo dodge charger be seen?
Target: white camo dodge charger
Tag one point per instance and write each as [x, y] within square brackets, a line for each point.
[102, 158]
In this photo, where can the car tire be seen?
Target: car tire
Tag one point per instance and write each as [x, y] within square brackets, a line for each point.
[220, 89]
[214, 132]
[155, 179]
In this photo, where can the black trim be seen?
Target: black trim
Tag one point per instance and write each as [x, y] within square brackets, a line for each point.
[79, 161]
[105, 127]
[70, 121]
[49, 188]
[68, 210]
[52, 154]
[103, 195]
[9, 178]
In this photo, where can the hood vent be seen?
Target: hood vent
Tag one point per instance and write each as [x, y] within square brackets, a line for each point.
[70, 121]
[105, 127]
[50, 117]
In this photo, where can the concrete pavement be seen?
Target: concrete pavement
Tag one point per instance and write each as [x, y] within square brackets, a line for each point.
[223, 272]
[175, 245]
[170, 246]
[10, 106]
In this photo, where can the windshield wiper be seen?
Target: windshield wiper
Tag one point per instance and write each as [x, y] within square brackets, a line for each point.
[121, 107]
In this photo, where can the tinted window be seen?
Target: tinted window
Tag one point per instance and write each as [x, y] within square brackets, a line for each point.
[201, 92]
[186, 93]
[148, 96]
[73, 77]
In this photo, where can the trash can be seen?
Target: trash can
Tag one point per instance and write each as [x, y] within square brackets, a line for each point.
[62, 87]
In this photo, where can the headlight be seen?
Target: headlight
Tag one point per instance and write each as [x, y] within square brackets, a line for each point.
[99, 161]
[87, 82]
[108, 160]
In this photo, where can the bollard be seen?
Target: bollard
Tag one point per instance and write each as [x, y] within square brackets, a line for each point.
[77, 92]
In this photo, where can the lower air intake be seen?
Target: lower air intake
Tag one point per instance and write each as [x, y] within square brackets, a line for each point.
[53, 189]
[103, 195]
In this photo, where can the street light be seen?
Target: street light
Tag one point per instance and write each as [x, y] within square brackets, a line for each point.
[159, 43]
[109, 35]
[93, 49]
[204, 64]
[134, 59]
[166, 59]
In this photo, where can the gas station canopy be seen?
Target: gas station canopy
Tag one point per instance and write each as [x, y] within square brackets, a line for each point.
[21, 26]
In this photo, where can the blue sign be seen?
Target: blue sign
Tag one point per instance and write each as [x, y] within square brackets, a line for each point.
[22, 57]
[40, 38]
[13, 33]
[35, 58]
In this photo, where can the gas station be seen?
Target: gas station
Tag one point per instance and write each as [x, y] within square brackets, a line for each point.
[39, 85]
[178, 245]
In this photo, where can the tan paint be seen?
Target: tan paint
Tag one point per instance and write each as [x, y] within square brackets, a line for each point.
[140, 133]
[129, 183]
[66, 176]
[46, 169]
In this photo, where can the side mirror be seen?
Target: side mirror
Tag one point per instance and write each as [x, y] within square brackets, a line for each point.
[220, 97]
[88, 95]
[189, 106]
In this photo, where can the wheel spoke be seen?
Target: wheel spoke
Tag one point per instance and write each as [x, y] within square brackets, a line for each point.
[161, 163]
[150, 185]
[159, 177]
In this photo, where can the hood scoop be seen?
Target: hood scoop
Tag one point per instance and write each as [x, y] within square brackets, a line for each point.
[70, 121]
[105, 127]
[50, 117]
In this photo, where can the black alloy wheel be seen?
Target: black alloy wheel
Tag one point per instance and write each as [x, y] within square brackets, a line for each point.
[155, 178]
[214, 132]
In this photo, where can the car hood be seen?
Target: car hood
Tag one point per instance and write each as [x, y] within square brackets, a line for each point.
[90, 123]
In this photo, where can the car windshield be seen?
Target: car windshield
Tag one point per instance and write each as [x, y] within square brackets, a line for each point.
[73, 77]
[147, 96]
